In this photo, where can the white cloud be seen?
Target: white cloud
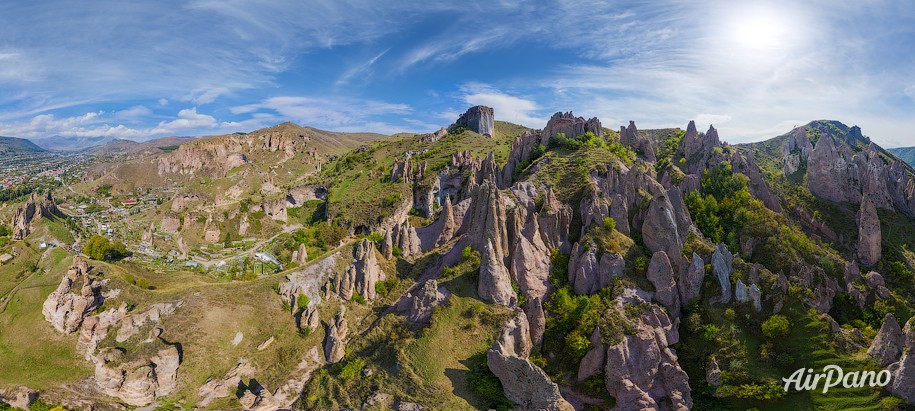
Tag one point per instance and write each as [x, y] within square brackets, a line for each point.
[717, 119]
[163, 102]
[336, 113]
[188, 119]
[910, 91]
[363, 71]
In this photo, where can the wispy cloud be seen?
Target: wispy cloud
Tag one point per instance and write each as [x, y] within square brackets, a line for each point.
[337, 114]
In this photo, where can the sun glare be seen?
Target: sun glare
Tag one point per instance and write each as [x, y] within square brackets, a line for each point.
[759, 28]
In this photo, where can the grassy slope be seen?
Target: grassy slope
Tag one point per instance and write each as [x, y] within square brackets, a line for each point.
[24, 362]
[360, 179]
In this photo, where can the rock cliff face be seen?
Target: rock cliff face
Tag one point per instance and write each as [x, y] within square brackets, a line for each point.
[630, 137]
[524, 383]
[478, 119]
[30, 211]
[495, 284]
[721, 265]
[661, 275]
[362, 275]
[571, 126]
[215, 156]
[642, 371]
[74, 299]
[869, 237]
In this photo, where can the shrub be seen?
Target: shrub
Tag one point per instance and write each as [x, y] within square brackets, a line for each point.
[776, 326]
[609, 224]
[351, 369]
[142, 283]
[302, 301]
[359, 299]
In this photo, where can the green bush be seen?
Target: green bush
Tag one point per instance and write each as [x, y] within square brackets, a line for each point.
[302, 301]
[776, 326]
[609, 224]
[351, 369]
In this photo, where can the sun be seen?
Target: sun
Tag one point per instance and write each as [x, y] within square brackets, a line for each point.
[758, 28]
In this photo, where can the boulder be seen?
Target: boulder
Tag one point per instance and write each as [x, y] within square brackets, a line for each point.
[335, 342]
[889, 342]
[478, 119]
[524, 383]
[495, 284]
[869, 237]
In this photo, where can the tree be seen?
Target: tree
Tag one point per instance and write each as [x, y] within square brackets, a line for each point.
[99, 248]
[776, 326]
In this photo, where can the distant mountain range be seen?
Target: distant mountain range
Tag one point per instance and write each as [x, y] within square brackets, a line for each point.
[61, 143]
[907, 154]
[18, 145]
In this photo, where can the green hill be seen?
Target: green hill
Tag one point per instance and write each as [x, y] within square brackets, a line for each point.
[18, 145]
[907, 154]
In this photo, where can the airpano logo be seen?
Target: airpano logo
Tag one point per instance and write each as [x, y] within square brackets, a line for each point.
[833, 376]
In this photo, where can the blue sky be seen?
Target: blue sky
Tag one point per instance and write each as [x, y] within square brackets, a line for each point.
[140, 70]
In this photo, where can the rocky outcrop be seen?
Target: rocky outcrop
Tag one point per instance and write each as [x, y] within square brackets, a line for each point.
[660, 232]
[869, 237]
[902, 383]
[570, 126]
[74, 299]
[32, 210]
[889, 342]
[642, 371]
[300, 255]
[722, 261]
[661, 275]
[130, 325]
[181, 202]
[215, 156]
[691, 282]
[479, 119]
[420, 303]
[405, 237]
[590, 272]
[335, 341]
[524, 383]
[495, 284]
[216, 388]
[530, 262]
[362, 274]
[138, 382]
[630, 136]
[554, 219]
[486, 220]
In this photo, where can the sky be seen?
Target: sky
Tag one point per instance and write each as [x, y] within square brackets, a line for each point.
[141, 70]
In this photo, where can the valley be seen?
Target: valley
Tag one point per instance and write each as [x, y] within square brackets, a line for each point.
[485, 265]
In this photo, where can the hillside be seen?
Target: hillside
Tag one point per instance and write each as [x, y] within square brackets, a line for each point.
[482, 266]
[907, 154]
[70, 143]
[13, 145]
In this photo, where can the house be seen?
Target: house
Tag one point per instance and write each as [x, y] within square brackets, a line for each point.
[267, 258]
